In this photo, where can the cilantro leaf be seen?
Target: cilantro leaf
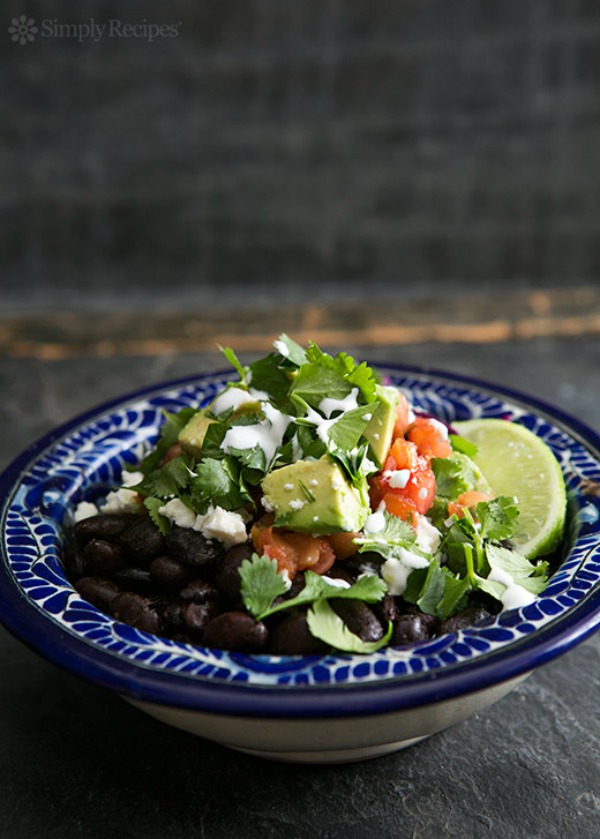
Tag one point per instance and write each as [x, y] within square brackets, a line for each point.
[460, 444]
[453, 476]
[533, 578]
[387, 541]
[152, 505]
[325, 376]
[217, 483]
[290, 350]
[268, 375]
[326, 625]
[346, 431]
[235, 362]
[498, 517]
[454, 598]
[261, 584]
[171, 479]
[169, 435]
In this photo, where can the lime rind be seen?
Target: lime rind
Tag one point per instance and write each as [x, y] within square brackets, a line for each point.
[515, 461]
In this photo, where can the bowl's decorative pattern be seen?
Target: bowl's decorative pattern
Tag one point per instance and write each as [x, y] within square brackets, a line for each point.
[88, 460]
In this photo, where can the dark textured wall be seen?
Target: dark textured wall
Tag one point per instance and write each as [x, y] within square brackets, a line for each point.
[287, 146]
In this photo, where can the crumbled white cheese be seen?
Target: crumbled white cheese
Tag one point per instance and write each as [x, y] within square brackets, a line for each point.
[225, 526]
[122, 501]
[313, 482]
[130, 479]
[375, 522]
[441, 429]
[397, 478]
[84, 510]
[296, 504]
[286, 579]
[267, 506]
[178, 512]
[288, 487]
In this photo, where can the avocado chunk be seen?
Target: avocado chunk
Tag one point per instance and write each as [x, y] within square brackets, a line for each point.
[315, 496]
[381, 426]
[191, 436]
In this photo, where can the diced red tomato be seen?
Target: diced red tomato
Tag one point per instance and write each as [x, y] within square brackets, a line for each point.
[402, 417]
[428, 438]
[400, 506]
[468, 499]
[404, 454]
[343, 544]
[293, 551]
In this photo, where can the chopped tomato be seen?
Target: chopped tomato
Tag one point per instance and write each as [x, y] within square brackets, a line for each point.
[420, 489]
[293, 551]
[343, 544]
[468, 499]
[402, 417]
[428, 438]
[417, 493]
[400, 506]
[404, 453]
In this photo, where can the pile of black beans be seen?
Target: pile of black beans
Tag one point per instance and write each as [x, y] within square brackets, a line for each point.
[185, 587]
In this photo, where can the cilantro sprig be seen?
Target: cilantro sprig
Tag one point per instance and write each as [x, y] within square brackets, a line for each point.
[262, 587]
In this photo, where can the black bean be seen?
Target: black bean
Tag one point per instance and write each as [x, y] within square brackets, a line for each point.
[293, 637]
[191, 547]
[236, 631]
[138, 611]
[358, 618]
[98, 591]
[196, 617]
[136, 579]
[464, 619]
[142, 541]
[170, 573]
[101, 557]
[411, 628]
[339, 572]
[387, 609]
[103, 526]
[227, 577]
[199, 591]
[170, 610]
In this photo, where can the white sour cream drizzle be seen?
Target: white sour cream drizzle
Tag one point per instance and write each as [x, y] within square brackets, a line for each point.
[267, 433]
[349, 403]
[514, 595]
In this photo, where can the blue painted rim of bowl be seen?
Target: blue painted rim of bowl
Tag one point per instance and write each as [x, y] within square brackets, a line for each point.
[283, 701]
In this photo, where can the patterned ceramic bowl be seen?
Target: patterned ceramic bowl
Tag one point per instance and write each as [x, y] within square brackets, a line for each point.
[314, 709]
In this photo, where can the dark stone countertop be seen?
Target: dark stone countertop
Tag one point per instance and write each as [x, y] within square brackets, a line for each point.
[78, 761]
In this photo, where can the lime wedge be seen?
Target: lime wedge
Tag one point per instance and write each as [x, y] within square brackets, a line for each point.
[517, 462]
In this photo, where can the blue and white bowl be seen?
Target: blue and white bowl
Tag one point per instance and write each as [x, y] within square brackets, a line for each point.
[313, 708]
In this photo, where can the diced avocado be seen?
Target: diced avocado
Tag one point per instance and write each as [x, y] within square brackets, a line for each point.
[314, 496]
[191, 436]
[380, 428]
